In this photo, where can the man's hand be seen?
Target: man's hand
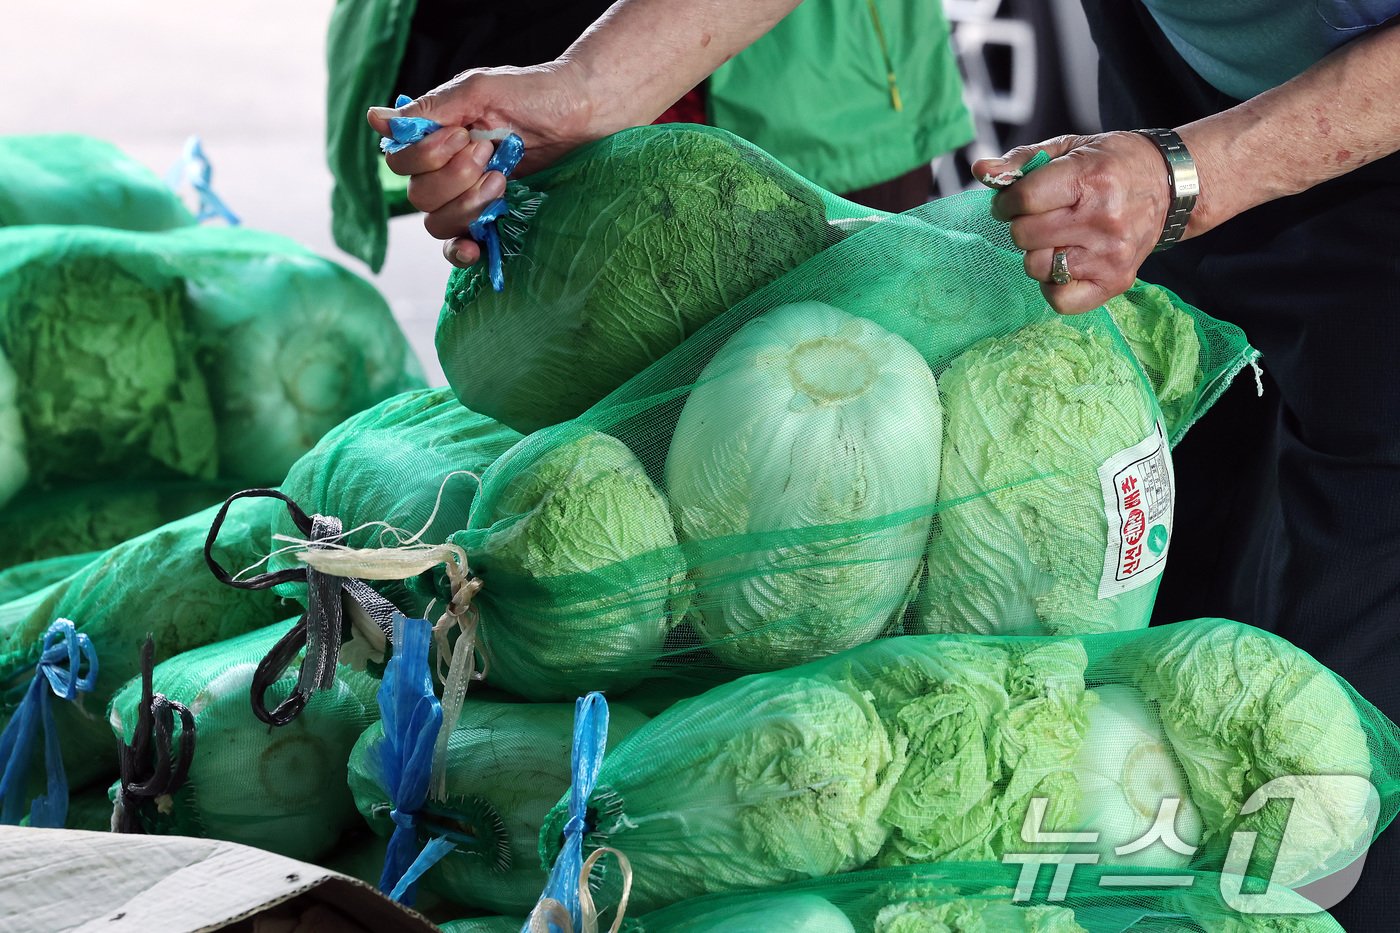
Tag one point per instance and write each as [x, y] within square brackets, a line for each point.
[1102, 201]
[546, 105]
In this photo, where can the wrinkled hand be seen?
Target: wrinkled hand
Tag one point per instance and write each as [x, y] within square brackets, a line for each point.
[546, 104]
[1102, 200]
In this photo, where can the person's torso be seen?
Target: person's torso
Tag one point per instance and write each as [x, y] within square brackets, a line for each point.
[1245, 47]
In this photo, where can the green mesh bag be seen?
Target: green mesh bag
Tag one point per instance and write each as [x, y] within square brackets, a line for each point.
[898, 434]
[505, 764]
[986, 898]
[23, 579]
[278, 789]
[964, 748]
[365, 43]
[95, 516]
[156, 583]
[616, 254]
[197, 353]
[65, 178]
[484, 925]
[410, 463]
[1173, 343]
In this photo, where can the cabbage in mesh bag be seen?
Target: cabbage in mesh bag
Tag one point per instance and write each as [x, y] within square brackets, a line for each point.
[96, 516]
[156, 583]
[506, 765]
[622, 250]
[194, 353]
[411, 463]
[280, 789]
[647, 539]
[933, 748]
[983, 898]
[66, 178]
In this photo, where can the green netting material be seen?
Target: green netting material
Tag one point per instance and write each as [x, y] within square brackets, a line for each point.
[23, 579]
[484, 925]
[65, 178]
[89, 810]
[414, 457]
[96, 516]
[625, 247]
[364, 44]
[778, 487]
[981, 898]
[630, 244]
[280, 789]
[507, 763]
[155, 583]
[936, 748]
[194, 353]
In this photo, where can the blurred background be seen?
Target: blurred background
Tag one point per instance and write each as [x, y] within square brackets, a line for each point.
[249, 79]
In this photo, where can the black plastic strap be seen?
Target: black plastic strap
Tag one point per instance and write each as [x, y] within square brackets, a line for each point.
[141, 777]
[321, 629]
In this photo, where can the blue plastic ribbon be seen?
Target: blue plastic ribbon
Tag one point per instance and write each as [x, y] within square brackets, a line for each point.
[405, 131]
[590, 742]
[60, 671]
[194, 167]
[412, 717]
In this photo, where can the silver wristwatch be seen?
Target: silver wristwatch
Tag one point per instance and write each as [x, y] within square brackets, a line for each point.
[1185, 184]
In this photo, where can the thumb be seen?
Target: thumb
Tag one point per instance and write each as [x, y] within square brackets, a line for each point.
[1015, 158]
[429, 107]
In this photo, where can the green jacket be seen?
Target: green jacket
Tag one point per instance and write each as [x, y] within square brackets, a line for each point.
[848, 93]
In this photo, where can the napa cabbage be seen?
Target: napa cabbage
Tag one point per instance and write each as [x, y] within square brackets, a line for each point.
[805, 466]
[507, 764]
[282, 789]
[1240, 708]
[763, 781]
[581, 574]
[1162, 335]
[1029, 419]
[632, 244]
[988, 727]
[974, 915]
[785, 912]
[1126, 772]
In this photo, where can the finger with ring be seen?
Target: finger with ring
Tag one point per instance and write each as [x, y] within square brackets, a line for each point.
[1059, 268]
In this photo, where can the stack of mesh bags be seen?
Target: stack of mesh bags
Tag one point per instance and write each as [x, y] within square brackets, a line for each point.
[145, 375]
[282, 789]
[897, 437]
[157, 584]
[978, 898]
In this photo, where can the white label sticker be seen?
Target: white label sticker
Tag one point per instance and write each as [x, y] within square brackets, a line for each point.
[1139, 495]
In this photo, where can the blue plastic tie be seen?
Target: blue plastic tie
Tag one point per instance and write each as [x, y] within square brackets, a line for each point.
[412, 717]
[590, 742]
[405, 131]
[61, 665]
[194, 167]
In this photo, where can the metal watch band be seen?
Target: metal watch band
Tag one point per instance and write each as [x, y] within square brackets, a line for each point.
[1185, 184]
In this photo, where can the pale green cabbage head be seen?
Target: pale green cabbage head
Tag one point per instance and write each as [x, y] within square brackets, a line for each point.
[1019, 545]
[809, 417]
[1163, 337]
[1241, 708]
[763, 781]
[974, 915]
[1126, 770]
[987, 728]
[14, 467]
[580, 568]
[771, 913]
